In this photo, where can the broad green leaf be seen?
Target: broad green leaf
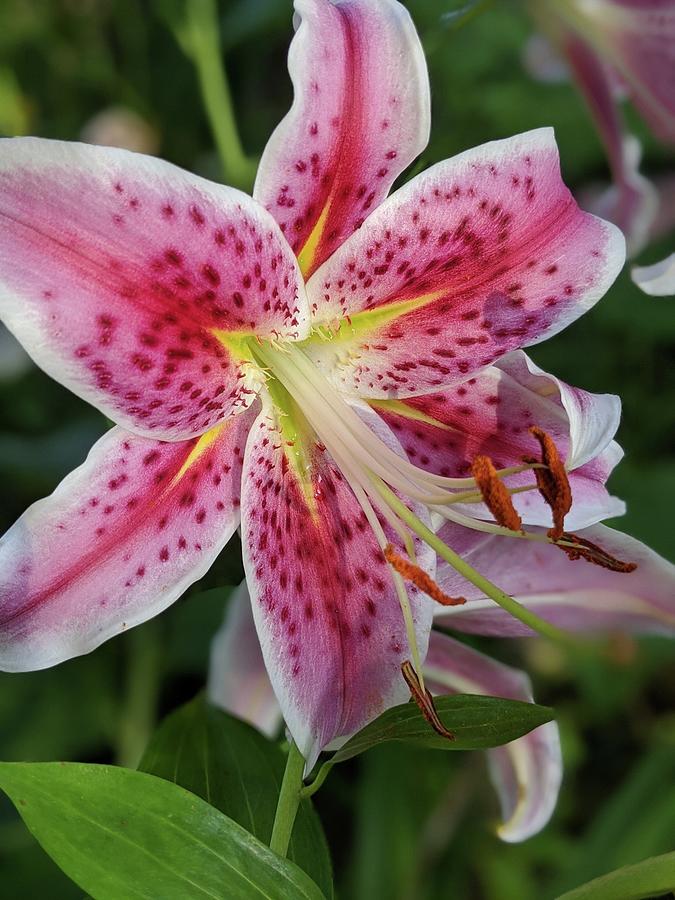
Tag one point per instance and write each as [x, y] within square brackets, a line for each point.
[234, 768]
[636, 821]
[477, 723]
[119, 833]
[645, 879]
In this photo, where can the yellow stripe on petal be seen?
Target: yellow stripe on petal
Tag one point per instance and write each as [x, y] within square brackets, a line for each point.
[202, 445]
[307, 255]
[369, 321]
[400, 408]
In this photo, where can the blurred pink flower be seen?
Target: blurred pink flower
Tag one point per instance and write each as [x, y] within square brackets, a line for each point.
[615, 48]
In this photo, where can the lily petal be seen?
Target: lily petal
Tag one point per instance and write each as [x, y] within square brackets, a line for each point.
[658, 280]
[238, 681]
[631, 202]
[491, 413]
[330, 625]
[118, 541]
[360, 115]
[574, 595]
[123, 277]
[479, 255]
[638, 38]
[526, 772]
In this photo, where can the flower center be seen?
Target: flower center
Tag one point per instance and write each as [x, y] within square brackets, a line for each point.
[394, 492]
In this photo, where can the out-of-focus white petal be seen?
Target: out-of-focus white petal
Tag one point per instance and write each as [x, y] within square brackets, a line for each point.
[658, 280]
[238, 680]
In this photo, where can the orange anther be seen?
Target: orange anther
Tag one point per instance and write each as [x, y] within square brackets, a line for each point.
[424, 701]
[553, 483]
[495, 494]
[419, 578]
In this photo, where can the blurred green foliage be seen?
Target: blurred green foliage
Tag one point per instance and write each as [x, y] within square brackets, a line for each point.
[401, 825]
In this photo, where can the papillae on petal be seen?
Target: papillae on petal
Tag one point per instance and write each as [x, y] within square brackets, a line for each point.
[123, 277]
[120, 539]
[360, 115]
[491, 414]
[479, 255]
[329, 621]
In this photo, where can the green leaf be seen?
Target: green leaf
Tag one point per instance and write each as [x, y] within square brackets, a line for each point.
[234, 768]
[645, 879]
[477, 723]
[119, 833]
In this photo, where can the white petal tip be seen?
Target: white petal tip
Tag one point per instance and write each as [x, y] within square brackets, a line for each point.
[657, 280]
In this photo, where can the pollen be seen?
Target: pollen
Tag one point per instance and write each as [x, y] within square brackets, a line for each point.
[410, 572]
[552, 481]
[424, 701]
[495, 494]
[592, 553]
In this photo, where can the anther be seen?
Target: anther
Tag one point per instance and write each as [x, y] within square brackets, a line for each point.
[552, 481]
[410, 572]
[424, 701]
[594, 554]
[495, 494]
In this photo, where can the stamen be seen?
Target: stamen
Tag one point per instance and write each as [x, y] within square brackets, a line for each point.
[552, 481]
[592, 553]
[424, 701]
[495, 494]
[419, 578]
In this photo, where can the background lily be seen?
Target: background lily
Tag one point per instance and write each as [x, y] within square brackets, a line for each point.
[614, 47]
[253, 354]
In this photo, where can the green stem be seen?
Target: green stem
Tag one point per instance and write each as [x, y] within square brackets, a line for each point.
[321, 776]
[203, 45]
[466, 14]
[139, 711]
[289, 800]
[524, 615]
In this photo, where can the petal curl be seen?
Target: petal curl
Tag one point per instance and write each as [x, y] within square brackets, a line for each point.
[118, 541]
[491, 413]
[479, 255]
[527, 772]
[658, 280]
[574, 595]
[330, 626]
[238, 681]
[360, 115]
[123, 276]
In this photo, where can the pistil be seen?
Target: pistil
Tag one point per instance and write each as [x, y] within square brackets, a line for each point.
[379, 477]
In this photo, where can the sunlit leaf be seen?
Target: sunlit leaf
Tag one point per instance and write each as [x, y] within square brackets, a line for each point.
[645, 879]
[239, 771]
[477, 723]
[119, 833]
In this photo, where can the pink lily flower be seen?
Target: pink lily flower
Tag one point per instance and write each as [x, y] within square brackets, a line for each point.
[615, 47]
[253, 351]
[526, 772]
